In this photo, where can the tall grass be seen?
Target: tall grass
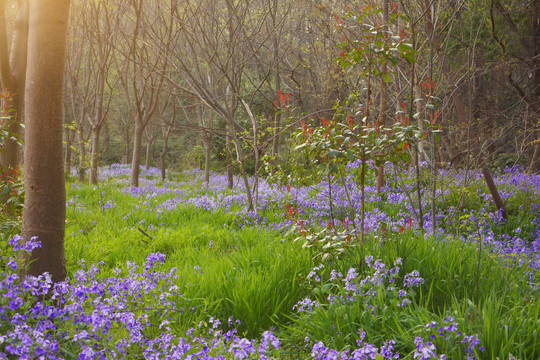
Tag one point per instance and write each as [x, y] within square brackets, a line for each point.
[257, 275]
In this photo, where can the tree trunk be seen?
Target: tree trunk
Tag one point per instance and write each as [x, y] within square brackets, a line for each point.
[136, 159]
[69, 144]
[383, 101]
[127, 150]
[228, 151]
[419, 104]
[12, 78]
[44, 212]
[277, 79]
[207, 156]
[148, 153]
[534, 165]
[95, 155]
[208, 143]
[240, 158]
[106, 139]
[461, 111]
[164, 153]
[82, 156]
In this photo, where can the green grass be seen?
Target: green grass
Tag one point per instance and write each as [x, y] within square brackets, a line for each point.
[256, 275]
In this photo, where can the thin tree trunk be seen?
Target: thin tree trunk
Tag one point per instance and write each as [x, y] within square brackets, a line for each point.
[136, 159]
[255, 150]
[95, 155]
[277, 79]
[149, 152]
[45, 203]
[207, 156]
[419, 104]
[534, 165]
[127, 150]
[240, 158]
[461, 111]
[106, 138]
[208, 141]
[164, 153]
[384, 100]
[228, 148]
[363, 201]
[69, 144]
[82, 156]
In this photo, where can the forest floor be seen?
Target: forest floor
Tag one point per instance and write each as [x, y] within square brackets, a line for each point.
[181, 268]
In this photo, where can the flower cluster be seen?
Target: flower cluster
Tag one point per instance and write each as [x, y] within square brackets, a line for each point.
[446, 332]
[312, 203]
[380, 281]
[110, 317]
[365, 351]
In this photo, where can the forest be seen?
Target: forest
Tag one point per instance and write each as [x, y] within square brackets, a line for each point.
[270, 179]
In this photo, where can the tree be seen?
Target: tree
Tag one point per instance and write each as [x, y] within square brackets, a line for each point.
[45, 204]
[13, 72]
[12, 78]
[79, 90]
[99, 27]
[142, 73]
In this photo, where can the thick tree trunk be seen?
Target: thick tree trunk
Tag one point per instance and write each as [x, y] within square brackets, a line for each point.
[95, 155]
[136, 159]
[45, 203]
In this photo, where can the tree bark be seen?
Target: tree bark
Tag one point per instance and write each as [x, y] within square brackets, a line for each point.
[95, 155]
[45, 204]
[207, 156]
[127, 150]
[383, 100]
[164, 153]
[208, 148]
[228, 151]
[12, 78]
[82, 156]
[69, 144]
[136, 159]
[534, 165]
[148, 153]
[240, 158]
[277, 79]
[106, 139]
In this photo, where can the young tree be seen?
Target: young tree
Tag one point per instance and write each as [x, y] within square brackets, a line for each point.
[100, 22]
[213, 54]
[142, 72]
[45, 204]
